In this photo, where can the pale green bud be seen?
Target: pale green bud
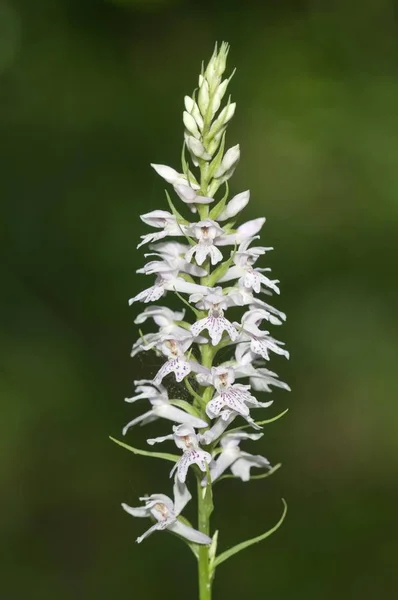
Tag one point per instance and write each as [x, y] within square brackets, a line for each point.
[218, 96]
[190, 124]
[225, 115]
[193, 110]
[230, 160]
[203, 96]
[196, 148]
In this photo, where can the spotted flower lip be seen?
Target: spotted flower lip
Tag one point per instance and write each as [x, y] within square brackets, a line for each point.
[165, 511]
[207, 233]
[187, 440]
[229, 395]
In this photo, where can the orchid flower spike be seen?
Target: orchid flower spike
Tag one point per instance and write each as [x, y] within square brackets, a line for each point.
[210, 291]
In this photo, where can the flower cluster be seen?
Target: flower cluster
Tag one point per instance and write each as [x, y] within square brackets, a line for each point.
[210, 266]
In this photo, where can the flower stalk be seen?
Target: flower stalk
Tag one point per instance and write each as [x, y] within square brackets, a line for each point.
[209, 265]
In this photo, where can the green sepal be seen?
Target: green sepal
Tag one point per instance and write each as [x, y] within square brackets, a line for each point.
[216, 162]
[164, 455]
[185, 406]
[243, 545]
[229, 227]
[262, 476]
[175, 212]
[184, 163]
[184, 325]
[219, 207]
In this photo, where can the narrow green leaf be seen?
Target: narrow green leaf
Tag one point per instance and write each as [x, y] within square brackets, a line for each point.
[260, 422]
[163, 455]
[185, 406]
[216, 162]
[213, 550]
[198, 314]
[262, 476]
[243, 545]
[185, 166]
[273, 418]
[219, 272]
[193, 393]
[219, 207]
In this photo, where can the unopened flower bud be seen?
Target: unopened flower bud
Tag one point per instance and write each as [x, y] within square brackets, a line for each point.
[196, 148]
[190, 124]
[193, 110]
[230, 160]
[225, 115]
[203, 96]
[234, 206]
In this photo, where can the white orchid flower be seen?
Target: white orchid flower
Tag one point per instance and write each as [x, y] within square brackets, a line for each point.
[166, 513]
[174, 254]
[234, 458]
[161, 407]
[177, 363]
[260, 342]
[187, 440]
[167, 280]
[229, 395]
[161, 219]
[215, 322]
[206, 232]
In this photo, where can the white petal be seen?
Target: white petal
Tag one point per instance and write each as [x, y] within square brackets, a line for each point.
[235, 205]
[241, 467]
[172, 413]
[189, 533]
[140, 511]
[249, 229]
[143, 417]
[160, 439]
[158, 526]
[169, 174]
[181, 496]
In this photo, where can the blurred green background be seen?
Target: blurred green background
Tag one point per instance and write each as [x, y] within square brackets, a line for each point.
[91, 92]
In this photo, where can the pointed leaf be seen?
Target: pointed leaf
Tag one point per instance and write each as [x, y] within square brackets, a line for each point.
[262, 476]
[185, 406]
[219, 207]
[228, 553]
[216, 162]
[212, 279]
[193, 393]
[198, 314]
[163, 455]
[260, 422]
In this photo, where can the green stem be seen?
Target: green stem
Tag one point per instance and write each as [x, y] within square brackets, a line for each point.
[203, 561]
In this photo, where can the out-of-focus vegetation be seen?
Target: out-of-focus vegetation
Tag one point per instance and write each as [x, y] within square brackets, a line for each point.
[91, 92]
